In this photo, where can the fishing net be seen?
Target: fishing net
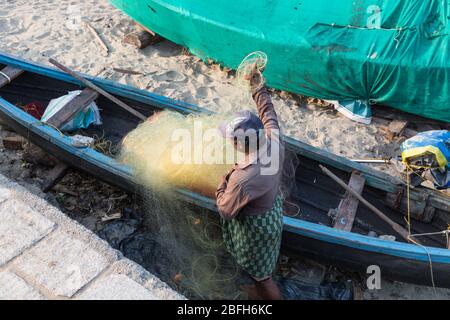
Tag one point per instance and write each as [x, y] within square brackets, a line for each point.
[245, 68]
[180, 151]
[188, 239]
[188, 248]
[184, 244]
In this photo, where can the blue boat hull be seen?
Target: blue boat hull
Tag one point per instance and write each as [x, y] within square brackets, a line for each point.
[397, 260]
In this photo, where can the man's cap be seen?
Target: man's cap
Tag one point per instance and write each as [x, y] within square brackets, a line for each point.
[240, 123]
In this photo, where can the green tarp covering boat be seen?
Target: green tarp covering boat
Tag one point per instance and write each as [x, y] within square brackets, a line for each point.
[387, 52]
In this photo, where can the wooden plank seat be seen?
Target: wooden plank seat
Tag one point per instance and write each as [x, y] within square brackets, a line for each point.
[346, 211]
[8, 74]
[66, 113]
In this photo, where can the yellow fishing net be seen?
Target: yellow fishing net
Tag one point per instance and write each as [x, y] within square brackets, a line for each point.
[180, 151]
[173, 150]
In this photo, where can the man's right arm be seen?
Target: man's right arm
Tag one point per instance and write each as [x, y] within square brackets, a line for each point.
[266, 110]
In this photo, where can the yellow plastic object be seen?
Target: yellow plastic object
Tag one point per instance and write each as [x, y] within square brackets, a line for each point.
[180, 151]
[421, 151]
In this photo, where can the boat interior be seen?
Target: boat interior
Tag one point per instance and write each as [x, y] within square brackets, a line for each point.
[312, 194]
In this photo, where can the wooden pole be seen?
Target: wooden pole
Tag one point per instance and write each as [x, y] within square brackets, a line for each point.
[399, 229]
[89, 84]
[97, 37]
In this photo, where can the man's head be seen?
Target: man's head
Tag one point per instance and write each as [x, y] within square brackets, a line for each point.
[245, 129]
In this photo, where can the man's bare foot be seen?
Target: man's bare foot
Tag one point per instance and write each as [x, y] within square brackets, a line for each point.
[251, 291]
[263, 290]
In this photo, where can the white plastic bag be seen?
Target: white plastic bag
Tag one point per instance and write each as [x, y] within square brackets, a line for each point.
[90, 114]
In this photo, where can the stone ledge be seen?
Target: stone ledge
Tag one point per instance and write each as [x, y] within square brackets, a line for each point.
[20, 227]
[62, 264]
[116, 287]
[71, 262]
[13, 287]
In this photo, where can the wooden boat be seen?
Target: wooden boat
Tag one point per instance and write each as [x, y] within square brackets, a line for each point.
[312, 234]
[393, 53]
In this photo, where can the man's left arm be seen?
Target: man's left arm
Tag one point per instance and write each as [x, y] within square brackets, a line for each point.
[231, 198]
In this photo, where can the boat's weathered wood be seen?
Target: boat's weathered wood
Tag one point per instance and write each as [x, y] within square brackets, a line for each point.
[374, 178]
[89, 84]
[419, 209]
[8, 74]
[392, 114]
[34, 154]
[397, 126]
[346, 210]
[84, 99]
[55, 176]
[13, 142]
[141, 39]
[399, 229]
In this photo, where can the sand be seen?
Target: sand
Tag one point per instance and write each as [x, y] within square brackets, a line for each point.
[39, 29]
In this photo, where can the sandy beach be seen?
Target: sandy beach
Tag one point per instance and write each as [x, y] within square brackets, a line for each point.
[40, 29]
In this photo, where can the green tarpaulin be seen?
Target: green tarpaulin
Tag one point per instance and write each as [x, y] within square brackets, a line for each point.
[388, 52]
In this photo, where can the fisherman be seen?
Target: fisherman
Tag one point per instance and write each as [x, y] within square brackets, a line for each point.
[248, 196]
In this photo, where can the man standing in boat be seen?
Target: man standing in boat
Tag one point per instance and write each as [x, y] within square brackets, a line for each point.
[248, 196]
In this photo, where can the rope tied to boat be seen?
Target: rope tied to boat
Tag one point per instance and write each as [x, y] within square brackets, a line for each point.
[6, 76]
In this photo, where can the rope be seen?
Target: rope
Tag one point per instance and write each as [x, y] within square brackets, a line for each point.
[408, 182]
[408, 221]
[40, 123]
[296, 206]
[431, 264]
[6, 76]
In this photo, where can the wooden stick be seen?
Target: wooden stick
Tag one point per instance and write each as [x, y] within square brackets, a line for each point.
[399, 229]
[126, 71]
[146, 29]
[97, 37]
[55, 176]
[89, 84]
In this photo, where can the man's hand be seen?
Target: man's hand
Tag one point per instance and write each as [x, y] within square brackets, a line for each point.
[225, 178]
[154, 117]
[255, 77]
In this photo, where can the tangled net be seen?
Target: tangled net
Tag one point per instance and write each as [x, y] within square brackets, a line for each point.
[189, 237]
[181, 151]
[246, 67]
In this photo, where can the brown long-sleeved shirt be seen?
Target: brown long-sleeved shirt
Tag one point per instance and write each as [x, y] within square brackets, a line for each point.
[251, 187]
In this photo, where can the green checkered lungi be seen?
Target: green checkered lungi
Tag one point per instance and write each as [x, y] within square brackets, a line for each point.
[254, 241]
